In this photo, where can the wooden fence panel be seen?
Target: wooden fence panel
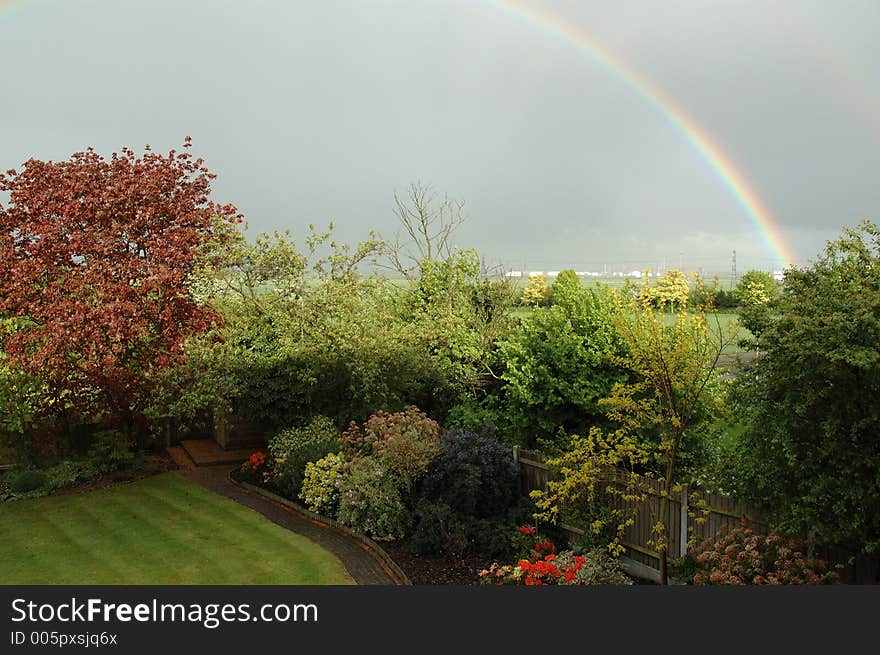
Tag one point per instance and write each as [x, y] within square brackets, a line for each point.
[682, 526]
[724, 513]
[534, 474]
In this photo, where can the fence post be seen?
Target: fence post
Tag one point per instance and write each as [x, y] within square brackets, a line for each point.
[519, 472]
[683, 531]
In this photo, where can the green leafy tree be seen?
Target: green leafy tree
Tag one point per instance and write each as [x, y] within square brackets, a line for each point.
[566, 288]
[810, 454]
[451, 305]
[658, 412]
[558, 363]
[671, 400]
[756, 288]
[304, 332]
[457, 313]
[756, 295]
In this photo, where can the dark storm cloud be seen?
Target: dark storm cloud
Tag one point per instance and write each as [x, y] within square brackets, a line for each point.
[318, 111]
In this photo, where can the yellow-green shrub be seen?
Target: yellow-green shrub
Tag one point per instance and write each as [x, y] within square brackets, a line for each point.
[320, 488]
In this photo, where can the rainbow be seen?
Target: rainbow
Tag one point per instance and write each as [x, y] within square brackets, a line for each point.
[735, 181]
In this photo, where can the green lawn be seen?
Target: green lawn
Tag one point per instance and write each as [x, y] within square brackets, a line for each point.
[160, 530]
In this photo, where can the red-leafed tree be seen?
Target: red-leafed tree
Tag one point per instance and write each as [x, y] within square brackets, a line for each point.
[95, 257]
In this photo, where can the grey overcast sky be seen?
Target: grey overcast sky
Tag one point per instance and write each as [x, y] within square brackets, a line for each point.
[317, 111]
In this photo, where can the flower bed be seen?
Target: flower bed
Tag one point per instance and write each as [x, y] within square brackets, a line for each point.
[542, 564]
[444, 503]
[445, 506]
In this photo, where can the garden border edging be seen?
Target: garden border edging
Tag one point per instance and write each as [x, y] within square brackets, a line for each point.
[371, 546]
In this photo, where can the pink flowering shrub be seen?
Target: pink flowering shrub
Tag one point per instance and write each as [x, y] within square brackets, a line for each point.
[744, 557]
[407, 441]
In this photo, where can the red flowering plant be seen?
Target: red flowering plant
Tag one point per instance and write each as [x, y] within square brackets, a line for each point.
[254, 469]
[547, 571]
[537, 571]
[543, 565]
[744, 557]
[528, 543]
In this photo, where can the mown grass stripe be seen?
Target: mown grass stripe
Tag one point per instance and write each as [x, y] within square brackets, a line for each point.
[161, 530]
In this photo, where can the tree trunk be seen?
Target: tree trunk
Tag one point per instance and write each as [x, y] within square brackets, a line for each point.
[664, 512]
[664, 508]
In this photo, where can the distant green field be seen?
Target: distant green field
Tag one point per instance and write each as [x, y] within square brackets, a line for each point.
[727, 326]
[726, 319]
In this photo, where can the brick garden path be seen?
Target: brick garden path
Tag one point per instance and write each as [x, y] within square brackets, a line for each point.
[365, 568]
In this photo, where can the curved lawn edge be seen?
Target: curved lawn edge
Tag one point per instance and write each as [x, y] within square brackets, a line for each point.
[121, 535]
[366, 543]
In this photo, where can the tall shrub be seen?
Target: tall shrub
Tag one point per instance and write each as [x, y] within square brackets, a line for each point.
[810, 452]
[293, 448]
[468, 500]
[406, 441]
[559, 362]
[474, 474]
[370, 501]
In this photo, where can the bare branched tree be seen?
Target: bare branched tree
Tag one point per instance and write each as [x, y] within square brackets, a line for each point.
[427, 224]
